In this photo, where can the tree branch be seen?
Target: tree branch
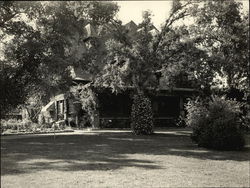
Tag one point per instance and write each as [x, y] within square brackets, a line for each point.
[169, 22]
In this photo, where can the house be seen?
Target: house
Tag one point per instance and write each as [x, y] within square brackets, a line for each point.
[114, 109]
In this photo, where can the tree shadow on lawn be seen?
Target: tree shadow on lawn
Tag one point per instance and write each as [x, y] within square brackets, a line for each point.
[102, 151]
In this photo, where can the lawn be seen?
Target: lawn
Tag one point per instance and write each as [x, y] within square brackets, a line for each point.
[118, 159]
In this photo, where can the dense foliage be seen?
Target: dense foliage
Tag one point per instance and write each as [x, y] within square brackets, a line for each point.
[37, 50]
[221, 29]
[134, 59]
[215, 123]
[142, 115]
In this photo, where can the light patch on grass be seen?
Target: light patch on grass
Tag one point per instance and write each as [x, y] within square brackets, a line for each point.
[119, 159]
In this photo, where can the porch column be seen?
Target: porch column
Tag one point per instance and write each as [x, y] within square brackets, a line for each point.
[77, 121]
[56, 110]
[182, 112]
[65, 115]
[96, 121]
[96, 118]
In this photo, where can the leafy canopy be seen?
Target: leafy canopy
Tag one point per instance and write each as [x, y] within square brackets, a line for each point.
[38, 49]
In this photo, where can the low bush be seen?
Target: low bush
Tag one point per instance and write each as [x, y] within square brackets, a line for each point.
[46, 125]
[180, 122]
[12, 124]
[215, 123]
[18, 125]
[26, 124]
[59, 125]
[142, 115]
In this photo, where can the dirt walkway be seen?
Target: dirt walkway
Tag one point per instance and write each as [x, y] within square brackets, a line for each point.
[176, 131]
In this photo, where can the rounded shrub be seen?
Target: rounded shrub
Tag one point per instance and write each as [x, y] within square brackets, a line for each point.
[215, 123]
[142, 115]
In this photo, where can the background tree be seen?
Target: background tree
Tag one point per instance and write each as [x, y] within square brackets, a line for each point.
[222, 31]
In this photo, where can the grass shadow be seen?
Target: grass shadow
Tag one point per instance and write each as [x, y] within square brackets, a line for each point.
[98, 150]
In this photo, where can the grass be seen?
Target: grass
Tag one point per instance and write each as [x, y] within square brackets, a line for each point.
[119, 159]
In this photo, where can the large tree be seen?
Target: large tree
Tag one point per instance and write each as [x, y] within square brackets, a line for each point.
[40, 41]
[137, 59]
[16, 34]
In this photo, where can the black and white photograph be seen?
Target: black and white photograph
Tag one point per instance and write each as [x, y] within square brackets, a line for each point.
[124, 94]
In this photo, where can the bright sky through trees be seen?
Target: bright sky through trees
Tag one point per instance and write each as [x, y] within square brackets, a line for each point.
[132, 10]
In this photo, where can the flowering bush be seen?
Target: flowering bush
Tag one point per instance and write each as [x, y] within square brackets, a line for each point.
[142, 115]
[215, 123]
[27, 126]
[12, 124]
[17, 125]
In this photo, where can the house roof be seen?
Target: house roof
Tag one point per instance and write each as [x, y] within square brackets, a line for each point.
[154, 31]
[90, 30]
[131, 26]
[79, 74]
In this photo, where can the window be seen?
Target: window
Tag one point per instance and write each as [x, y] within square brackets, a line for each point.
[166, 106]
[112, 105]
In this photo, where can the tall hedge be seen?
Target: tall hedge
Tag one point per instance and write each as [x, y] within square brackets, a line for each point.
[216, 123]
[142, 115]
